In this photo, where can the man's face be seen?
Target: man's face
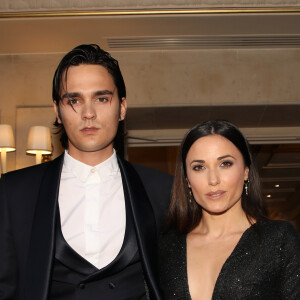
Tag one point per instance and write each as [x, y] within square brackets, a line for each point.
[90, 111]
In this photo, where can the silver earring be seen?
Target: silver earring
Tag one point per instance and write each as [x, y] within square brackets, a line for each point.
[246, 182]
[191, 195]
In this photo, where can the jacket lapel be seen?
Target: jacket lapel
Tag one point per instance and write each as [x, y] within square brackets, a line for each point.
[42, 243]
[145, 224]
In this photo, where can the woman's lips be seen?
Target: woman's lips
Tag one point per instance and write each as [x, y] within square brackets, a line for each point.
[216, 194]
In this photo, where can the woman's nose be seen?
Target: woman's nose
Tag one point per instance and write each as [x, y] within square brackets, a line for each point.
[213, 177]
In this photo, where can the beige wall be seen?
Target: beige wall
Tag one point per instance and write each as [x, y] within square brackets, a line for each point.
[31, 5]
[158, 78]
[212, 77]
[25, 80]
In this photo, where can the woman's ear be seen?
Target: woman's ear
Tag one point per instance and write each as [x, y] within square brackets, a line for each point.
[188, 182]
[246, 173]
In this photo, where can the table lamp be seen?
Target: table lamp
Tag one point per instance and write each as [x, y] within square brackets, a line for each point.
[7, 144]
[39, 142]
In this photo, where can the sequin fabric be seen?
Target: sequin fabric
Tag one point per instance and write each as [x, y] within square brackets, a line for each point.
[265, 264]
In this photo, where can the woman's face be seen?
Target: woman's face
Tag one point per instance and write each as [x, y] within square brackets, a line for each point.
[216, 172]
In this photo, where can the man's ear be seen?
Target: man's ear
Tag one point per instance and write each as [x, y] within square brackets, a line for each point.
[123, 109]
[56, 110]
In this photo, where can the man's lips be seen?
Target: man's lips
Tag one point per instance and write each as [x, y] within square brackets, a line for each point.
[89, 130]
[216, 194]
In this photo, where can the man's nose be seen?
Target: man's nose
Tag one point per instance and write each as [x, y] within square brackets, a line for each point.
[88, 111]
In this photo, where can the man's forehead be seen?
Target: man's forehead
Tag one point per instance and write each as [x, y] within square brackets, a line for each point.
[86, 73]
[82, 67]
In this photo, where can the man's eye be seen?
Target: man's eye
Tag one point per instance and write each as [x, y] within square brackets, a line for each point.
[226, 164]
[72, 101]
[102, 99]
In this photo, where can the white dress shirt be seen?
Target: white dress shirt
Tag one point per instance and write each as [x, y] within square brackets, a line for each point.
[92, 209]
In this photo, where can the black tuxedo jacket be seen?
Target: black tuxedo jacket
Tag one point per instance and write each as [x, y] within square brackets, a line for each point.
[28, 205]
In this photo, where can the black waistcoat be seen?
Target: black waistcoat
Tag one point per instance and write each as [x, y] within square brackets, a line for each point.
[74, 278]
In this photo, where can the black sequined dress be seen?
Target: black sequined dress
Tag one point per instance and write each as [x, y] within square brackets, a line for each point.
[265, 264]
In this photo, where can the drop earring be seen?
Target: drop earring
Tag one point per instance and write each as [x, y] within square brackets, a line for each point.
[191, 195]
[190, 191]
[246, 182]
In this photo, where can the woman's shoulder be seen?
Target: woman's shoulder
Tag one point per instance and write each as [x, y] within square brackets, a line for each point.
[171, 238]
[278, 231]
[171, 244]
[172, 265]
[276, 226]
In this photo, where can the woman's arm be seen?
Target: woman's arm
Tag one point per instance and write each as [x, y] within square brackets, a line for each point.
[290, 283]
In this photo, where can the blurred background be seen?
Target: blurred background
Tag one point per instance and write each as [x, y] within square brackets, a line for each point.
[183, 62]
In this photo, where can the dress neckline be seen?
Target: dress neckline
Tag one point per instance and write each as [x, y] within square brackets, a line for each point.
[235, 249]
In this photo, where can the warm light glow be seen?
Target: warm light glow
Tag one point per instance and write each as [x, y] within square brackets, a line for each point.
[7, 141]
[7, 144]
[39, 142]
[269, 196]
[276, 185]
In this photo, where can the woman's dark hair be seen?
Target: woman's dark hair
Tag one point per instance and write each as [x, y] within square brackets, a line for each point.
[185, 216]
[90, 55]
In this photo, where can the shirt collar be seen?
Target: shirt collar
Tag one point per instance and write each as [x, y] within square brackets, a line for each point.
[82, 171]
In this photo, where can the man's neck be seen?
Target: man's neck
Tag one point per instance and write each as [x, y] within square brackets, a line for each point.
[92, 158]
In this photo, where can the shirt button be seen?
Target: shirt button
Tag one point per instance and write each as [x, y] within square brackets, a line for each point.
[93, 170]
[82, 286]
[111, 285]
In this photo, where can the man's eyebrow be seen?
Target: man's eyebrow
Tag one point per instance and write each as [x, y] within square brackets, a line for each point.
[226, 156]
[70, 95]
[103, 92]
[96, 93]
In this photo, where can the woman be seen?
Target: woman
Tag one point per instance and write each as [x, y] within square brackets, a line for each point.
[219, 242]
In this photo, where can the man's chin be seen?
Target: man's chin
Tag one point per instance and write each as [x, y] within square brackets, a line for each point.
[92, 148]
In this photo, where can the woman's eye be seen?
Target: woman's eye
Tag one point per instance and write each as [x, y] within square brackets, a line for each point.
[226, 164]
[198, 167]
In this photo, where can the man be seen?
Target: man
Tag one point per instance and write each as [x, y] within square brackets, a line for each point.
[83, 226]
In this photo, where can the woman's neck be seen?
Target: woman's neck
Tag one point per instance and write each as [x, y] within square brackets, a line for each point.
[232, 221]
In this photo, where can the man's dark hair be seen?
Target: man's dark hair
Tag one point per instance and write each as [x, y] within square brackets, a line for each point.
[185, 216]
[86, 55]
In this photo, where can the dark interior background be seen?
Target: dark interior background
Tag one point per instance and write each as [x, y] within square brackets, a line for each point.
[278, 165]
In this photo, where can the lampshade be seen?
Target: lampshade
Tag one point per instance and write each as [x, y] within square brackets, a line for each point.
[7, 141]
[7, 144]
[39, 141]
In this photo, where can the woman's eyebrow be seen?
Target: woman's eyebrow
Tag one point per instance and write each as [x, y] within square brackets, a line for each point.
[226, 156]
[198, 161]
